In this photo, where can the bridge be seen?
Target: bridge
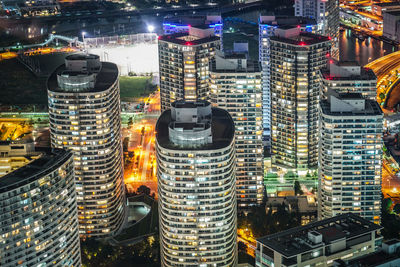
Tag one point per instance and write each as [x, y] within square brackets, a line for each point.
[52, 37]
[387, 71]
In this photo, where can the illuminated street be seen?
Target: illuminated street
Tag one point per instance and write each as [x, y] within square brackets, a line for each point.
[245, 236]
[390, 182]
[386, 69]
[356, 11]
[14, 129]
[390, 170]
[140, 166]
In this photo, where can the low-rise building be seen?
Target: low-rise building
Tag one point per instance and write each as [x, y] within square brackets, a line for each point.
[379, 8]
[38, 208]
[391, 24]
[346, 236]
[386, 256]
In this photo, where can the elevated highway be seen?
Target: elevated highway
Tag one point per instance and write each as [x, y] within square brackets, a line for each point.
[387, 71]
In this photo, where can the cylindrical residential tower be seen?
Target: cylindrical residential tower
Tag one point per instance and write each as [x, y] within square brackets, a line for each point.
[84, 112]
[196, 185]
[38, 215]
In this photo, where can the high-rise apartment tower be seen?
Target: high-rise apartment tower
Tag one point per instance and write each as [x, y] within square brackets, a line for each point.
[85, 117]
[350, 156]
[296, 59]
[326, 13]
[184, 60]
[267, 27]
[348, 77]
[39, 218]
[196, 162]
[235, 84]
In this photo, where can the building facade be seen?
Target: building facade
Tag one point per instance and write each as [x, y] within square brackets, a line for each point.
[348, 77]
[350, 161]
[391, 24]
[267, 27]
[235, 84]
[184, 60]
[320, 243]
[84, 114]
[182, 24]
[39, 221]
[196, 185]
[326, 13]
[296, 59]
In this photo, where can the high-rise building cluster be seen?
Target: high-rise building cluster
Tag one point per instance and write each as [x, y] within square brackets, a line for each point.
[314, 114]
[222, 112]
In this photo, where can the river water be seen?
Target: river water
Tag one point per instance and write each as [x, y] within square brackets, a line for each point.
[351, 48]
[364, 51]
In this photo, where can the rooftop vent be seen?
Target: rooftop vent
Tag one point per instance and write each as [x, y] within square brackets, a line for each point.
[315, 237]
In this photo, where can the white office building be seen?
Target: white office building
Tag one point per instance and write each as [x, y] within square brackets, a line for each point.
[350, 156]
[85, 117]
[196, 185]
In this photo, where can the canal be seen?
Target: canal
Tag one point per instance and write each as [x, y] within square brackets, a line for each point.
[363, 51]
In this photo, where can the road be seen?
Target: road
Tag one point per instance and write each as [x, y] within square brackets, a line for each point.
[251, 248]
[390, 182]
[141, 168]
[386, 70]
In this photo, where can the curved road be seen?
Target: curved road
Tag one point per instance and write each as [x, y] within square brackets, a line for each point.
[385, 69]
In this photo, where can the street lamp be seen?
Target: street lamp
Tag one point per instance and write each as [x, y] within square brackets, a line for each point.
[150, 28]
[83, 40]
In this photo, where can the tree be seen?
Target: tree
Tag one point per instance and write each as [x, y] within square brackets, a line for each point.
[396, 208]
[386, 205]
[297, 188]
[242, 246]
[143, 190]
